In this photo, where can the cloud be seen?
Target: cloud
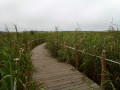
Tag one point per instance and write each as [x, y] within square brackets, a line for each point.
[45, 14]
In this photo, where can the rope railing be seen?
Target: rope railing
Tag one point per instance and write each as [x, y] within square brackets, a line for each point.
[92, 55]
[103, 60]
[22, 49]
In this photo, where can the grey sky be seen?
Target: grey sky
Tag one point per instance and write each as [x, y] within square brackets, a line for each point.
[46, 14]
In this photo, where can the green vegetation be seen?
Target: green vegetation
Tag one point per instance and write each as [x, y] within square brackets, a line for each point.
[16, 65]
[15, 62]
[93, 43]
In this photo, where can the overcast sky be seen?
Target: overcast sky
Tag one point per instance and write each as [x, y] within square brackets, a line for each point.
[46, 14]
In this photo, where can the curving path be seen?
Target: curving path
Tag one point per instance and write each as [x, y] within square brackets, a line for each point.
[54, 75]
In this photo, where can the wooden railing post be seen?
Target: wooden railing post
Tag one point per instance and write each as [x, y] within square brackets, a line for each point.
[37, 42]
[66, 55]
[103, 67]
[76, 56]
[65, 47]
[33, 43]
[23, 46]
[30, 45]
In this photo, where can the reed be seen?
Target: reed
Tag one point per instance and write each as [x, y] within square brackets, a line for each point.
[93, 43]
[15, 75]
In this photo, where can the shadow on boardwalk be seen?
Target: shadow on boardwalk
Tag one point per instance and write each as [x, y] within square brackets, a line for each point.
[54, 75]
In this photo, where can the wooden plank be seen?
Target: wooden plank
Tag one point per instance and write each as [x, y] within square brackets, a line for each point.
[58, 76]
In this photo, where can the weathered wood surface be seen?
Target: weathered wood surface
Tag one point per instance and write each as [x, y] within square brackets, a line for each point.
[54, 75]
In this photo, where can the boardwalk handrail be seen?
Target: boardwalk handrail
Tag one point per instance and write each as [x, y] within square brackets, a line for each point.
[103, 61]
[17, 59]
[92, 54]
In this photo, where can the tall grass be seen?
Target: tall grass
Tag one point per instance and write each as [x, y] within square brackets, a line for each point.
[94, 43]
[10, 44]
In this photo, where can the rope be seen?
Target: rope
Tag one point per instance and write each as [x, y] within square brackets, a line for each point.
[92, 54]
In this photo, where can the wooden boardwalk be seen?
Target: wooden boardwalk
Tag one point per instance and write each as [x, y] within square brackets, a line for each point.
[54, 75]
